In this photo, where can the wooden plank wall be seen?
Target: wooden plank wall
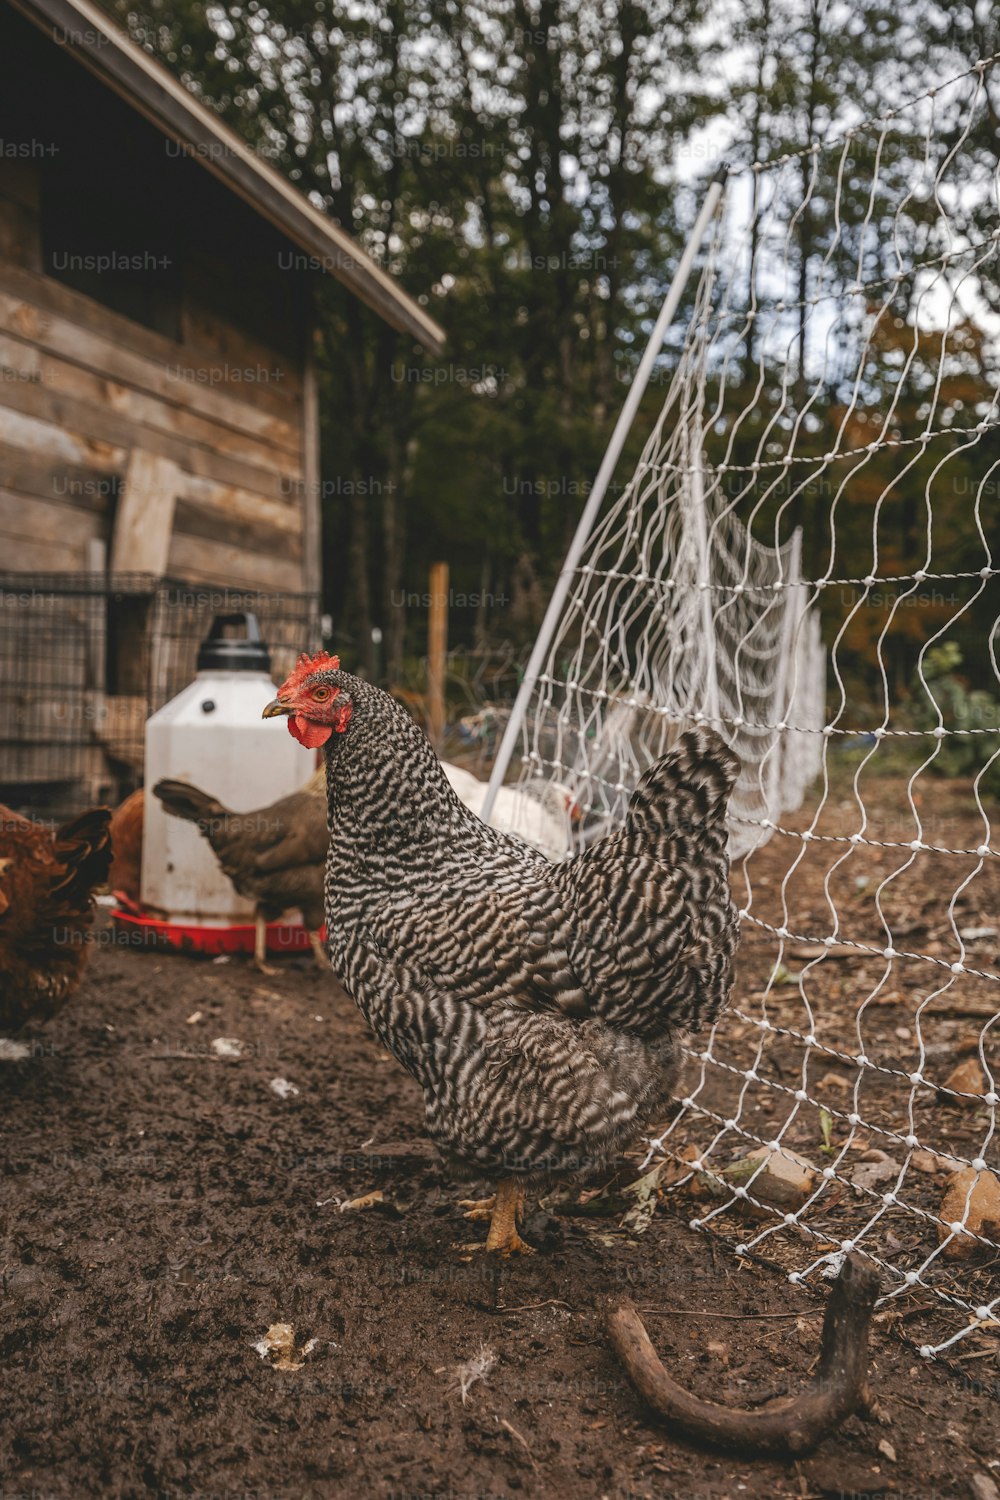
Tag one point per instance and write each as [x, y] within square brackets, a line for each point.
[81, 387]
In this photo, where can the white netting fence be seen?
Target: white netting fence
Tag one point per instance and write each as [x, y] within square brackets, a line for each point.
[804, 558]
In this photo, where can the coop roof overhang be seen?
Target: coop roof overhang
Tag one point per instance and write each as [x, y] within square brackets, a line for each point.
[151, 89]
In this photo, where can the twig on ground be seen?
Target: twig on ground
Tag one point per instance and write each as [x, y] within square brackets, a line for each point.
[694, 1312]
[534, 1306]
[508, 1427]
[792, 1424]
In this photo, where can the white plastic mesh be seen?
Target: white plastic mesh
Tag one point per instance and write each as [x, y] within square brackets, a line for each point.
[830, 403]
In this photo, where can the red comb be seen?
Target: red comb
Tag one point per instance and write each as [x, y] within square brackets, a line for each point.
[305, 667]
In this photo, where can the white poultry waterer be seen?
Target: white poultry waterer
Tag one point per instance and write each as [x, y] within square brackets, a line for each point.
[213, 736]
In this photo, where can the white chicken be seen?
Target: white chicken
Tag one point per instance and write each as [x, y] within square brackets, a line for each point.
[540, 812]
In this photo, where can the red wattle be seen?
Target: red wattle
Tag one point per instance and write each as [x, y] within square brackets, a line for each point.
[307, 733]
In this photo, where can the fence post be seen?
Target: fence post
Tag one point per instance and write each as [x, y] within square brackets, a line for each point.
[793, 608]
[437, 647]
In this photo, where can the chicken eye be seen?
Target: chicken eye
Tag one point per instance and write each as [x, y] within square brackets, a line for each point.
[321, 694]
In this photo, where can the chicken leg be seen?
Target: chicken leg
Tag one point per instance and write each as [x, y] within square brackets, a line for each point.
[260, 944]
[319, 951]
[504, 1211]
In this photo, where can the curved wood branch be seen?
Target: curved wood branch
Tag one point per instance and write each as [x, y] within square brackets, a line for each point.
[791, 1425]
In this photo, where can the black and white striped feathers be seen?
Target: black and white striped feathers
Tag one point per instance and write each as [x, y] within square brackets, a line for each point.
[539, 1006]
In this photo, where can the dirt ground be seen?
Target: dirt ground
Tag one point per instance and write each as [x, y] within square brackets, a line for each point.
[906, 1016]
[163, 1206]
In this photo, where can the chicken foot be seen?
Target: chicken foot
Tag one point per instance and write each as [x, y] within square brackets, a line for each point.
[504, 1211]
[503, 1237]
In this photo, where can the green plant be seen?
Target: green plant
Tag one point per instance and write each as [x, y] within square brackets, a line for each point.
[965, 714]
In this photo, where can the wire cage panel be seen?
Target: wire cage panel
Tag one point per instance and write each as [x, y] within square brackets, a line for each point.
[86, 658]
[805, 559]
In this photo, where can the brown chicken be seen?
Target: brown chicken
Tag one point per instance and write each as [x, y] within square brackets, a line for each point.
[275, 856]
[47, 881]
[124, 877]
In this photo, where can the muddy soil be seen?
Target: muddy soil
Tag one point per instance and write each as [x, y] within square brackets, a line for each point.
[165, 1201]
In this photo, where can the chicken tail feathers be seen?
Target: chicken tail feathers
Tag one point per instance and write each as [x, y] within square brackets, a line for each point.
[83, 849]
[687, 790]
[182, 800]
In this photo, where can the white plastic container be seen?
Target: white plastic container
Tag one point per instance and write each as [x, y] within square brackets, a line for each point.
[213, 736]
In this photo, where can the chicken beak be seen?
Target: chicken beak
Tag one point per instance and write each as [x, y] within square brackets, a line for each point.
[276, 707]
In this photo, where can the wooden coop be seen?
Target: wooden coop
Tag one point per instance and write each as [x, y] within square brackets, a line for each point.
[159, 424]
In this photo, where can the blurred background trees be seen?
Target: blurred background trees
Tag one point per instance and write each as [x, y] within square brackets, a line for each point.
[531, 168]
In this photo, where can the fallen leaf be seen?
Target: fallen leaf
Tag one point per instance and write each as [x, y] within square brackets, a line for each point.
[972, 1200]
[278, 1347]
[821, 950]
[967, 1078]
[835, 1081]
[645, 1191]
[931, 1163]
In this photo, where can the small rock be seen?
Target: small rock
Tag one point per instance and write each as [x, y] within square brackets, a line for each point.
[929, 1162]
[967, 1078]
[887, 1450]
[983, 1487]
[873, 1168]
[195, 1017]
[228, 1046]
[13, 1051]
[283, 1087]
[787, 1178]
[980, 1215]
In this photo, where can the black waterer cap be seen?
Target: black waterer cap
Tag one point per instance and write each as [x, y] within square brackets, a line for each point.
[230, 653]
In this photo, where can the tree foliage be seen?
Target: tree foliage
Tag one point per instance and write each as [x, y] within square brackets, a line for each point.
[529, 169]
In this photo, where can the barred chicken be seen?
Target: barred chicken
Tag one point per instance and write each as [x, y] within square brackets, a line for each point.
[542, 812]
[275, 856]
[47, 883]
[540, 1007]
